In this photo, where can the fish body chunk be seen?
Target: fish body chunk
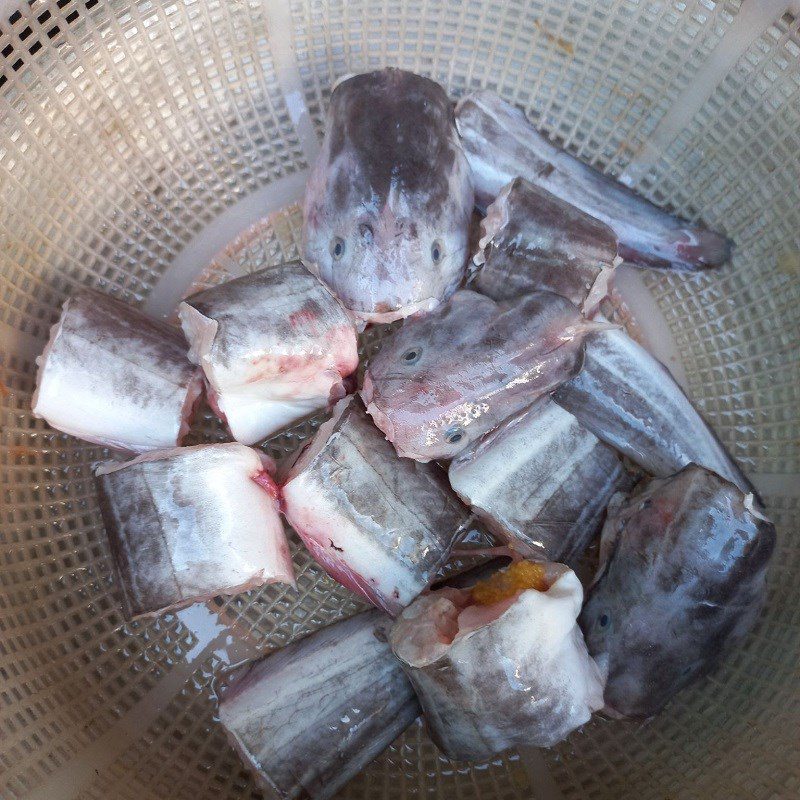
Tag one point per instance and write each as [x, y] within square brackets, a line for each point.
[534, 240]
[629, 399]
[501, 144]
[190, 523]
[388, 203]
[541, 482]
[309, 717]
[491, 677]
[682, 578]
[380, 525]
[274, 345]
[442, 381]
[114, 377]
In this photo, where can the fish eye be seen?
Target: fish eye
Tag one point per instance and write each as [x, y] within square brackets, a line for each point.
[436, 252]
[604, 620]
[337, 247]
[411, 356]
[454, 435]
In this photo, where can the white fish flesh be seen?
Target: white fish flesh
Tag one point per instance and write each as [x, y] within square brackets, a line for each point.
[115, 377]
[275, 346]
[378, 524]
[511, 673]
[191, 523]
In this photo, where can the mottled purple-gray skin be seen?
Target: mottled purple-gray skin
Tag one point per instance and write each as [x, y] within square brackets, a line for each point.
[682, 580]
[388, 203]
[501, 144]
[309, 717]
[444, 380]
[629, 399]
[541, 482]
[538, 241]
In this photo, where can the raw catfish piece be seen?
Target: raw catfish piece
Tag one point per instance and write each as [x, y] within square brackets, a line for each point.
[388, 203]
[380, 525]
[190, 523]
[443, 380]
[541, 482]
[503, 667]
[309, 717]
[501, 144]
[275, 347]
[115, 377]
[681, 580]
[630, 400]
[534, 240]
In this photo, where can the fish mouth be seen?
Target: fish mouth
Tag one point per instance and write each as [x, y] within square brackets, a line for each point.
[383, 313]
[381, 420]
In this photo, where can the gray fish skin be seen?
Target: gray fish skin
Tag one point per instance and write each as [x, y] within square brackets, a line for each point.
[442, 381]
[630, 400]
[541, 482]
[309, 717]
[115, 377]
[380, 525]
[275, 346]
[501, 144]
[517, 674]
[534, 240]
[191, 523]
[388, 203]
[682, 579]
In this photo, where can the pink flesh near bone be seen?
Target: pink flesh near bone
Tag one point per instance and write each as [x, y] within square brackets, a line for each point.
[275, 346]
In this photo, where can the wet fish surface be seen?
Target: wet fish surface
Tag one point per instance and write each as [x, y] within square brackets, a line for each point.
[501, 144]
[190, 523]
[682, 579]
[380, 525]
[541, 482]
[534, 240]
[443, 380]
[275, 346]
[388, 203]
[629, 399]
[115, 377]
[500, 668]
[307, 718]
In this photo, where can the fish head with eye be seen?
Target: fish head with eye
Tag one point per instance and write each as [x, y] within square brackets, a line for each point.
[385, 263]
[646, 662]
[420, 387]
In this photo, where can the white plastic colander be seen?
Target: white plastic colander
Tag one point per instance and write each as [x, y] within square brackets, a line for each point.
[139, 138]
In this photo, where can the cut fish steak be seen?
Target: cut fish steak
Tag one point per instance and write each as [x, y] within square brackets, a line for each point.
[380, 525]
[190, 523]
[115, 377]
[274, 345]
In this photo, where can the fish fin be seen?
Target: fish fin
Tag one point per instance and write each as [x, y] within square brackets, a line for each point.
[750, 505]
[493, 223]
[587, 326]
[601, 288]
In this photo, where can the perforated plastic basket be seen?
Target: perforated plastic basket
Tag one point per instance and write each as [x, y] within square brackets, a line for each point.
[138, 139]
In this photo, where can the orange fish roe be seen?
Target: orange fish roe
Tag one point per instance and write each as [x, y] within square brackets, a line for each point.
[519, 576]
